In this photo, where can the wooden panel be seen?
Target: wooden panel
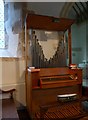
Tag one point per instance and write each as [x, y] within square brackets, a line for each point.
[59, 71]
[59, 83]
[35, 79]
[48, 23]
[28, 92]
[53, 71]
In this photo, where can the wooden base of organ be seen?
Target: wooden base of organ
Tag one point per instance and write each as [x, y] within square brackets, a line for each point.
[45, 84]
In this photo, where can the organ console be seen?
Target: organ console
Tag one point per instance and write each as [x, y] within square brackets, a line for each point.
[48, 83]
[55, 77]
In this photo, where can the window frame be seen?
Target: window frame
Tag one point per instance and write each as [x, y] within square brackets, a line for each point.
[2, 30]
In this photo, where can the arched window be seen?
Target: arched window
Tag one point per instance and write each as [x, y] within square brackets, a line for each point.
[2, 40]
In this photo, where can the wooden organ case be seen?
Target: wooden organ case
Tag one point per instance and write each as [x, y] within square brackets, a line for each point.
[44, 84]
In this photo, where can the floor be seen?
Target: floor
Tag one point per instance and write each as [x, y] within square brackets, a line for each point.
[23, 114]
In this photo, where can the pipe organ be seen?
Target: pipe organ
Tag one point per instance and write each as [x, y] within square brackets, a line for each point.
[50, 77]
[38, 58]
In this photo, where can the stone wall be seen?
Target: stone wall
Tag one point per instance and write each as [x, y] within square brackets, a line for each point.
[14, 33]
[87, 41]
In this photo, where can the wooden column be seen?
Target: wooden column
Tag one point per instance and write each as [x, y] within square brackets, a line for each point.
[28, 82]
[69, 46]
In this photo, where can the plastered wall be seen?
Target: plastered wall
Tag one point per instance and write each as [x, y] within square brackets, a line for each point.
[79, 43]
[13, 76]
